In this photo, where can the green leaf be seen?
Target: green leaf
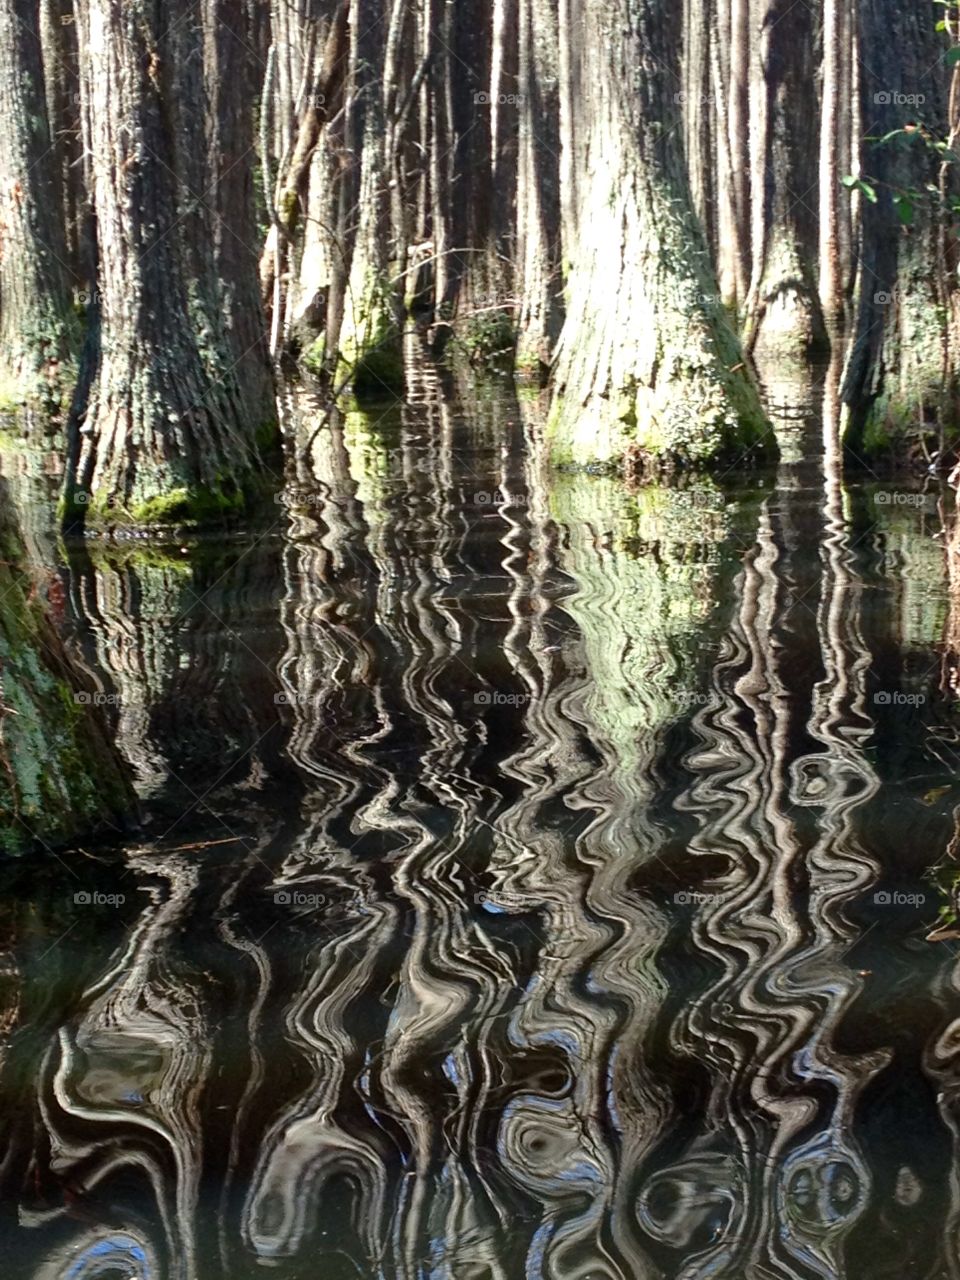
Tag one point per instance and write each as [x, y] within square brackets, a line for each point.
[952, 56]
[905, 209]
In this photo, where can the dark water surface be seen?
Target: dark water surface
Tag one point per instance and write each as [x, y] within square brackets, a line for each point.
[537, 884]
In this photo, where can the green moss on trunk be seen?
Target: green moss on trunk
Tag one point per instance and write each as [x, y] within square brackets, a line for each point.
[60, 778]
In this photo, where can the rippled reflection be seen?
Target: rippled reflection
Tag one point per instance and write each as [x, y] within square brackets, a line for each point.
[521, 892]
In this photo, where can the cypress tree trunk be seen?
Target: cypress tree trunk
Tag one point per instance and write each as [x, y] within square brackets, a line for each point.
[168, 435]
[60, 776]
[37, 329]
[900, 359]
[58, 36]
[538, 188]
[370, 338]
[783, 308]
[648, 365]
[230, 68]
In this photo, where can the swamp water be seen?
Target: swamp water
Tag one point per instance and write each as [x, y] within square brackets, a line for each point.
[538, 882]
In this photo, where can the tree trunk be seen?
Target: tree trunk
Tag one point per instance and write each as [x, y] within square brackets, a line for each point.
[900, 358]
[58, 35]
[783, 309]
[60, 776]
[831, 115]
[168, 436]
[37, 328]
[539, 284]
[230, 66]
[648, 365]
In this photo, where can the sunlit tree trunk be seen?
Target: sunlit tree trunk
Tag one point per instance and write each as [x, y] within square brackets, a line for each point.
[831, 117]
[783, 308]
[37, 328]
[648, 365]
[168, 435]
[538, 187]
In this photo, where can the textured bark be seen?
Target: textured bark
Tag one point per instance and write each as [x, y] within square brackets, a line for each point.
[647, 362]
[323, 100]
[368, 335]
[539, 285]
[899, 361]
[831, 133]
[783, 308]
[37, 331]
[60, 777]
[168, 435]
[230, 66]
[58, 36]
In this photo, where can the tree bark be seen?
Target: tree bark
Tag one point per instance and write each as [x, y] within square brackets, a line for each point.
[900, 367]
[38, 334]
[783, 308]
[60, 776]
[648, 365]
[168, 436]
[539, 284]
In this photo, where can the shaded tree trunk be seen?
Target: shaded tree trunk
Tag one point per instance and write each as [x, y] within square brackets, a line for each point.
[230, 65]
[58, 35]
[60, 776]
[539, 285]
[168, 436]
[38, 334]
[900, 361]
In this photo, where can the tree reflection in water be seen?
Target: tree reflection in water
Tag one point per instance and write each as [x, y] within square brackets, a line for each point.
[511, 907]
